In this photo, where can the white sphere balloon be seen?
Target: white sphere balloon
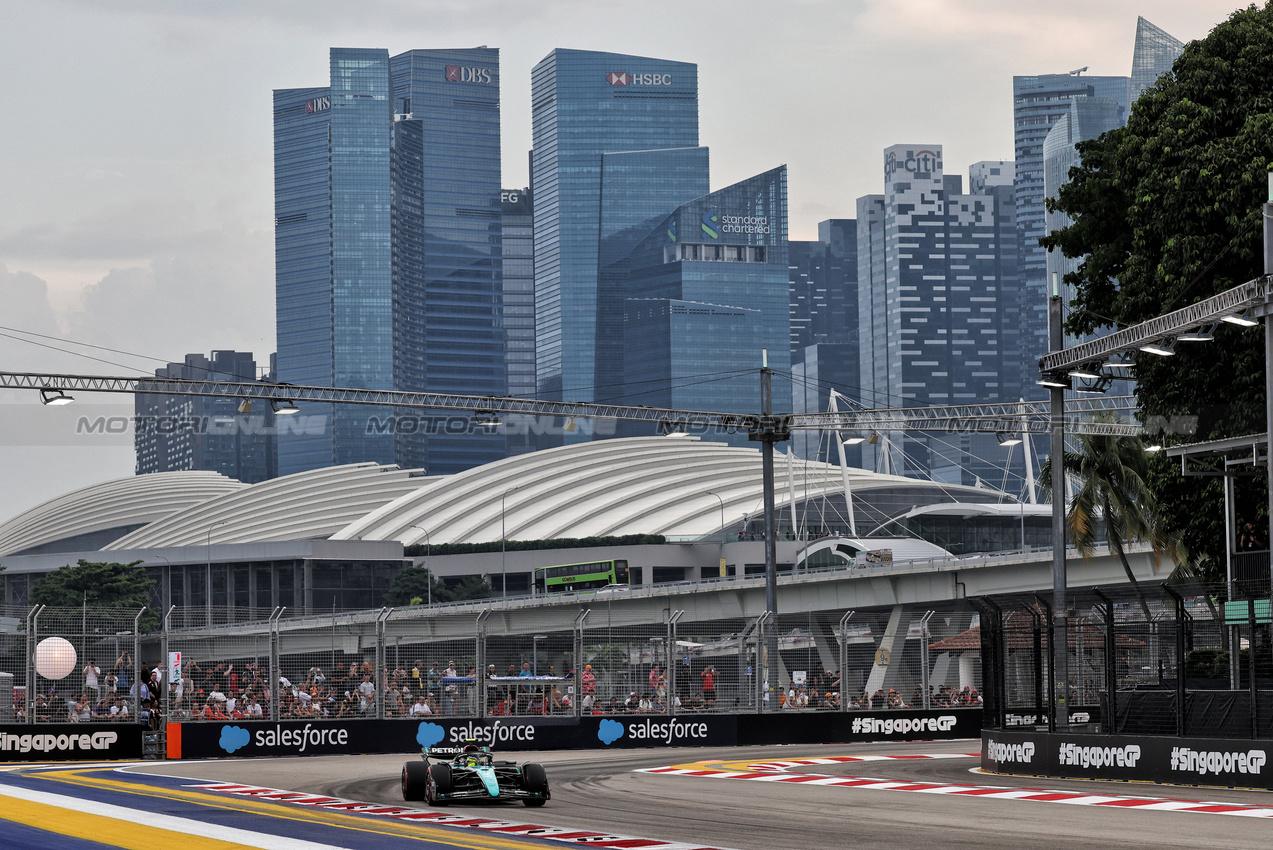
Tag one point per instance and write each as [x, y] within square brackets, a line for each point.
[55, 658]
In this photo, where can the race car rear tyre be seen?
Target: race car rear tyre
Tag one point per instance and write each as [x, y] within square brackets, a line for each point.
[439, 782]
[535, 778]
[415, 780]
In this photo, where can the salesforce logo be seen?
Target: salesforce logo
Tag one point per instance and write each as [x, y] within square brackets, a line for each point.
[429, 734]
[609, 731]
[234, 738]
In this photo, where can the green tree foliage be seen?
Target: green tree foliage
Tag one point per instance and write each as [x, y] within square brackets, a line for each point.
[98, 585]
[1167, 211]
[1113, 491]
[412, 587]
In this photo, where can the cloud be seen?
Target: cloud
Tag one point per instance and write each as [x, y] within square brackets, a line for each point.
[234, 738]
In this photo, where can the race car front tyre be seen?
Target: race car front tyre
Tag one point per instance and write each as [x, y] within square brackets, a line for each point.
[415, 780]
[535, 779]
[439, 782]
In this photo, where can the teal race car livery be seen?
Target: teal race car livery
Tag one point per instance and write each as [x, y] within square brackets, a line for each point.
[470, 773]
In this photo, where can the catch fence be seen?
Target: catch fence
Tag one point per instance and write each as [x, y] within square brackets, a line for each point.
[392, 664]
[1154, 661]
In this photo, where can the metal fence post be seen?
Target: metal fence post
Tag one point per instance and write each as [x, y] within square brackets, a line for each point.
[1111, 665]
[763, 686]
[923, 658]
[166, 682]
[137, 682]
[844, 658]
[672, 653]
[577, 702]
[479, 653]
[33, 624]
[276, 675]
[381, 677]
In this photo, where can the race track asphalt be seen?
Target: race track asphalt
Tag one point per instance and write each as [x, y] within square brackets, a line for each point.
[604, 790]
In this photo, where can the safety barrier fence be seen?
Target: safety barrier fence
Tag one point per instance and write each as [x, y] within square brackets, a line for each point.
[1154, 660]
[391, 665]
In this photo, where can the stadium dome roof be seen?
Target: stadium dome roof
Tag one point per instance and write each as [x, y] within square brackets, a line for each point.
[639, 485]
[92, 516]
[304, 506]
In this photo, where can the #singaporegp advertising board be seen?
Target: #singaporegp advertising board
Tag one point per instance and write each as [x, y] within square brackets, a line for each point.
[334, 737]
[1223, 762]
[70, 742]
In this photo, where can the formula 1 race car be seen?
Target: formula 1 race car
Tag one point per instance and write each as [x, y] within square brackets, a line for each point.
[448, 774]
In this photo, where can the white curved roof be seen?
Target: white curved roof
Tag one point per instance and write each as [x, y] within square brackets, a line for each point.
[638, 485]
[119, 503]
[303, 506]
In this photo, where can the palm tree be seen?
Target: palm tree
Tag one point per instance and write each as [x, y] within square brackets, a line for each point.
[1112, 473]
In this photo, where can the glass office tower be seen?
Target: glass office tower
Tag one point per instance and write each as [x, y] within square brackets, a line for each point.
[1155, 51]
[588, 109]
[1038, 102]
[333, 279]
[387, 251]
[824, 327]
[448, 317]
[707, 292]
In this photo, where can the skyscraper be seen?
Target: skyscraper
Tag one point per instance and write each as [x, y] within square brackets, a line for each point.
[194, 432]
[615, 147]
[519, 291]
[937, 299]
[387, 249]
[1038, 102]
[824, 324]
[1155, 51]
[448, 273]
[1086, 118]
[707, 291]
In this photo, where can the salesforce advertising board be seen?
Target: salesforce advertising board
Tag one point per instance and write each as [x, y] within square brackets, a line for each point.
[1145, 758]
[333, 737]
[70, 742]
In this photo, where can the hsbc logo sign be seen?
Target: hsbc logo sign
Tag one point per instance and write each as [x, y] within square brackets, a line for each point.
[465, 74]
[626, 78]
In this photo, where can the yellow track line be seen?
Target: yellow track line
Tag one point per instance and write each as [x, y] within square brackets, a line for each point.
[378, 826]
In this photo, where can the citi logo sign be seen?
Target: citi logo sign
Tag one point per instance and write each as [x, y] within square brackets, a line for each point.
[624, 78]
[464, 74]
[919, 162]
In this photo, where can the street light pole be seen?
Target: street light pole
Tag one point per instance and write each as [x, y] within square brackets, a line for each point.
[207, 587]
[429, 576]
[503, 546]
[722, 531]
[1060, 606]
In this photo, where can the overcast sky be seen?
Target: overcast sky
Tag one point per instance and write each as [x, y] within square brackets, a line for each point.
[136, 195]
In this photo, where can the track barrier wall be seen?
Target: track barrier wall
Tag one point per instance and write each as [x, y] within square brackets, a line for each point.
[1218, 762]
[338, 737]
[70, 742]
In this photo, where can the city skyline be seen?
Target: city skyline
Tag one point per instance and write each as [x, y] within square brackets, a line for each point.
[168, 212]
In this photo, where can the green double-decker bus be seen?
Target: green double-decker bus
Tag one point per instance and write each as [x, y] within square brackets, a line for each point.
[575, 578]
